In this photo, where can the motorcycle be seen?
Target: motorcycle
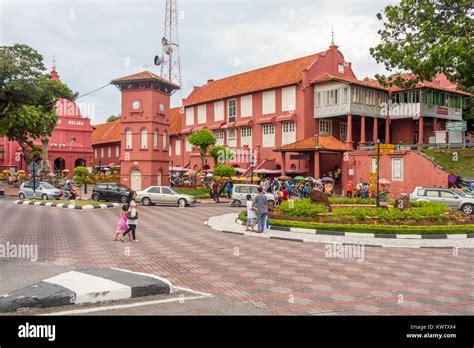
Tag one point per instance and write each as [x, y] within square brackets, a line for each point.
[73, 193]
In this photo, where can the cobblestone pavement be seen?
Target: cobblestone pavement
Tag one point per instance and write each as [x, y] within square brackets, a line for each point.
[277, 276]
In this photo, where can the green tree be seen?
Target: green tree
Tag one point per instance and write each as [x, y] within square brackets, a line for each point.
[224, 171]
[220, 154]
[113, 118]
[427, 38]
[27, 96]
[81, 171]
[203, 139]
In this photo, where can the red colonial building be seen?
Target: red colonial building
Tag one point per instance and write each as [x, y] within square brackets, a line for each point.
[106, 141]
[70, 143]
[304, 116]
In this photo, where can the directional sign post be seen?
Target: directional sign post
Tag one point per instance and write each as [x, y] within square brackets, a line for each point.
[33, 168]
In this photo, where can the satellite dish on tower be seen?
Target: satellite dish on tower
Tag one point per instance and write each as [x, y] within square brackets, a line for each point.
[168, 49]
[158, 60]
[164, 42]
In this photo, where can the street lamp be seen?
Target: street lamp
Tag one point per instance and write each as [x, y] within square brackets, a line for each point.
[377, 199]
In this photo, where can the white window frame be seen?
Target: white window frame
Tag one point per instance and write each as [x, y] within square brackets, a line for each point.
[219, 110]
[117, 151]
[246, 136]
[219, 134]
[101, 152]
[373, 164]
[232, 137]
[246, 106]
[288, 132]
[128, 138]
[190, 116]
[288, 98]
[268, 135]
[343, 130]
[231, 117]
[202, 113]
[340, 68]
[155, 138]
[177, 147]
[165, 140]
[95, 153]
[268, 102]
[397, 176]
[109, 151]
[325, 127]
[189, 147]
[317, 100]
[144, 139]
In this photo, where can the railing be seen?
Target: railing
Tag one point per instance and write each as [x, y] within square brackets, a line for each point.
[405, 147]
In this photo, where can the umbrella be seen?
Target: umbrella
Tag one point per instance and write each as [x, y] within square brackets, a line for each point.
[299, 177]
[327, 178]
[384, 181]
[283, 177]
[190, 173]
[310, 178]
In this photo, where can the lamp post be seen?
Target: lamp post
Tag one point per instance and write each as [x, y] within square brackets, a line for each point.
[377, 198]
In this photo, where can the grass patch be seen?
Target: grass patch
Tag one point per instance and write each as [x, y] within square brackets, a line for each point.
[464, 166]
[197, 192]
[78, 202]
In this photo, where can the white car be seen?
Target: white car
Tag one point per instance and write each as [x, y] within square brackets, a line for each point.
[452, 199]
[164, 195]
[240, 192]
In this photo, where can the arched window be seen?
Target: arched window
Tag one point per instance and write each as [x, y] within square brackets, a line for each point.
[128, 138]
[165, 139]
[144, 138]
[155, 139]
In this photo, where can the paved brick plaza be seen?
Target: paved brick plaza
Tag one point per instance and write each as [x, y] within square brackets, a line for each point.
[279, 277]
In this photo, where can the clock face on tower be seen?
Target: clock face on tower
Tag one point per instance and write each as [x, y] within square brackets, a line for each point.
[162, 107]
[135, 105]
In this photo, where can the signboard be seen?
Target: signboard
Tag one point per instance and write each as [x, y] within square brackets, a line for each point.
[32, 167]
[372, 175]
[372, 181]
[442, 110]
[456, 137]
[387, 148]
[372, 188]
[456, 126]
[441, 137]
[299, 157]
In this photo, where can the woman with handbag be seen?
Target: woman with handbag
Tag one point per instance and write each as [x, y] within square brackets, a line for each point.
[132, 216]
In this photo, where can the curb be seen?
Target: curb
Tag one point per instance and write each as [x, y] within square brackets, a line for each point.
[68, 206]
[85, 287]
[366, 235]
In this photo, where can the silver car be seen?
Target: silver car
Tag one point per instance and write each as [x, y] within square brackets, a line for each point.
[44, 191]
[164, 195]
[451, 198]
[240, 192]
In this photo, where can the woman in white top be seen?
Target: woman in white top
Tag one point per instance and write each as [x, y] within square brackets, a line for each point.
[132, 216]
[251, 216]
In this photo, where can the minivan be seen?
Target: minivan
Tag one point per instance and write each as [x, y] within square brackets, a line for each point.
[240, 192]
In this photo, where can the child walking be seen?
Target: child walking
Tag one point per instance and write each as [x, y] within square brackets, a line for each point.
[122, 225]
[251, 216]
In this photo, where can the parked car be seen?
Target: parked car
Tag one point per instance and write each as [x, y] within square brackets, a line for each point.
[164, 195]
[2, 191]
[44, 190]
[110, 192]
[240, 192]
[451, 198]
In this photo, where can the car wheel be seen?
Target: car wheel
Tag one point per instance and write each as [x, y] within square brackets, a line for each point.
[95, 197]
[146, 201]
[123, 199]
[468, 209]
[182, 202]
[44, 197]
[271, 203]
[21, 196]
[236, 203]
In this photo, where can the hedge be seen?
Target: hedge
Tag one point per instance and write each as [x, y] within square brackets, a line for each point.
[370, 228]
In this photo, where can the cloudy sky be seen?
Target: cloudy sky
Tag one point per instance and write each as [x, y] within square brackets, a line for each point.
[95, 41]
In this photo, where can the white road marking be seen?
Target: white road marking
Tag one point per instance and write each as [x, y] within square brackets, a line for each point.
[148, 275]
[89, 288]
[131, 305]
[193, 291]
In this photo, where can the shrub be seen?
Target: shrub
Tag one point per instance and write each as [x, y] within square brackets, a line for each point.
[81, 171]
[301, 207]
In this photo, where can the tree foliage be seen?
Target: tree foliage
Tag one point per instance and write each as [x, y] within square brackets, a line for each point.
[224, 171]
[27, 96]
[113, 118]
[221, 154]
[426, 38]
[203, 139]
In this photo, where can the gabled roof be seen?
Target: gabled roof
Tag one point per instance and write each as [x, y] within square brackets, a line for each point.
[108, 132]
[142, 76]
[281, 74]
[315, 143]
[175, 120]
[346, 79]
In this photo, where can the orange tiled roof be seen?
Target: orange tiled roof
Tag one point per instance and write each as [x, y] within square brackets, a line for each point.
[142, 76]
[108, 132]
[276, 75]
[175, 120]
[315, 143]
[342, 78]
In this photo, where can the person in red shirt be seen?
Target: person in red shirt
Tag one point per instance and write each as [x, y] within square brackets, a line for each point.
[349, 189]
[284, 194]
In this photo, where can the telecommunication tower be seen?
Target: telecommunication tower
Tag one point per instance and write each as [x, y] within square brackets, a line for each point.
[170, 61]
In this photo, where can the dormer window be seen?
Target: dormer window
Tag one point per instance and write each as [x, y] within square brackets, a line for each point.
[340, 68]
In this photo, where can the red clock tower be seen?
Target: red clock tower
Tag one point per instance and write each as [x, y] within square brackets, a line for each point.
[144, 159]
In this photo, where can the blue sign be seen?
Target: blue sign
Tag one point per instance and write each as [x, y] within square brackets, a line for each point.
[452, 178]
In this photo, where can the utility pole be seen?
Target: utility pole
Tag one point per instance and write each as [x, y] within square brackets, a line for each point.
[378, 174]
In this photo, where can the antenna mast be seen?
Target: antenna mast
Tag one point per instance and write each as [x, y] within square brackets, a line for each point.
[170, 60]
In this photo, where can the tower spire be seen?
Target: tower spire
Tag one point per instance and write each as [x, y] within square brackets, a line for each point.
[332, 36]
[54, 62]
